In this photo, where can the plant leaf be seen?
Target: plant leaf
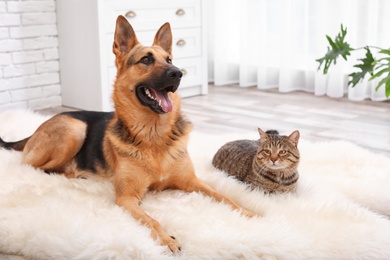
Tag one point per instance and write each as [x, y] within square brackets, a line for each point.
[385, 51]
[338, 47]
[386, 82]
[367, 66]
[382, 59]
[379, 73]
[385, 68]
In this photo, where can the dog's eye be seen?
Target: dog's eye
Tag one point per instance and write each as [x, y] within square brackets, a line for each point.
[169, 60]
[145, 60]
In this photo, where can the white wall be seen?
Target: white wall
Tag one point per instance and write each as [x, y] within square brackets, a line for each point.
[29, 65]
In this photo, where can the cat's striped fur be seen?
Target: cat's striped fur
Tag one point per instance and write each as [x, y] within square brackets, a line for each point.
[269, 163]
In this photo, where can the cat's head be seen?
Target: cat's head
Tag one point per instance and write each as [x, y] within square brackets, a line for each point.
[278, 152]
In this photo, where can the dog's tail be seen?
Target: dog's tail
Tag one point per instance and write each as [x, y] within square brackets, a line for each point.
[17, 146]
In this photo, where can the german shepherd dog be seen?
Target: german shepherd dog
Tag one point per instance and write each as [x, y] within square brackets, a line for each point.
[140, 146]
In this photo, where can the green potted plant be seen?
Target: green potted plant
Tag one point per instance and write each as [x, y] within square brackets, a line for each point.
[376, 67]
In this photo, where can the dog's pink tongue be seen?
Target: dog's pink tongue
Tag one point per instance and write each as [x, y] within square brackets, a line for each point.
[164, 100]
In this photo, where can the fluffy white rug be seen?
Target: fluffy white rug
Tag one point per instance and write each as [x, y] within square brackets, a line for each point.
[340, 211]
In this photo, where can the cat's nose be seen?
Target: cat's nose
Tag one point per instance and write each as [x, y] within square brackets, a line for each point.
[274, 158]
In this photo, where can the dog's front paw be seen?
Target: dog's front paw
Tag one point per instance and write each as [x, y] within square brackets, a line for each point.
[172, 244]
[250, 214]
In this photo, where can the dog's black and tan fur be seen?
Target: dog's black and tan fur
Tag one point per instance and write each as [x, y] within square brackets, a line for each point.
[141, 146]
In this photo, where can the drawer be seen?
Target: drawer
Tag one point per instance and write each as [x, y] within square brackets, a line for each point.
[187, 43]
[192, 71]
[191, 68]
[150, 15]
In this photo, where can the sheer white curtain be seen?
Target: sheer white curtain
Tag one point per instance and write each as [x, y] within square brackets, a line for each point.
[274, 43]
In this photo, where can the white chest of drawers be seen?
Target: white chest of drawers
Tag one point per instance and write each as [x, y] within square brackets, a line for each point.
[86, 33]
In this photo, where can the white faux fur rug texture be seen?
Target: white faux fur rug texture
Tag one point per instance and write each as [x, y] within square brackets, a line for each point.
[341, 209]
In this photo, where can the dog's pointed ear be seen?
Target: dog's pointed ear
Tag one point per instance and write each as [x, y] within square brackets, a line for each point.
[124, 37]
[163, 38]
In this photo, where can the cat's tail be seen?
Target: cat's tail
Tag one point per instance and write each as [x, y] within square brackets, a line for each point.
[272, 132]
[18, 145]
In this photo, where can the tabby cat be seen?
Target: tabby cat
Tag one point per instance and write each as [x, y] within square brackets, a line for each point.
[269, 163]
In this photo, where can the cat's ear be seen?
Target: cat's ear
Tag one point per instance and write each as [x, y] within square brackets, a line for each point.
[294, 137]
[263, 135]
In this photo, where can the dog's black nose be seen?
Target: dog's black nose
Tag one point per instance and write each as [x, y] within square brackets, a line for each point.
[174, 73]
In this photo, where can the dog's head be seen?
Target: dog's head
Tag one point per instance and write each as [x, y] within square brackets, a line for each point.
[145, 74]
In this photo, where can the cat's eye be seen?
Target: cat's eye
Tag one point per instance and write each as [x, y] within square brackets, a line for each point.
[267, 152]
[281, 152]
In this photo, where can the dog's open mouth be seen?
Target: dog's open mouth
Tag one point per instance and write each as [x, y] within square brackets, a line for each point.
[157, 100]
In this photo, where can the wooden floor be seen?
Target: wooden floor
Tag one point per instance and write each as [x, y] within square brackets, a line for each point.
[231, 109]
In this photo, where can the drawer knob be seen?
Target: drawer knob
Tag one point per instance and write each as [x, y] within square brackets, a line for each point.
[130, 14]
[184, 72]
[180, 12]
[181, 42]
